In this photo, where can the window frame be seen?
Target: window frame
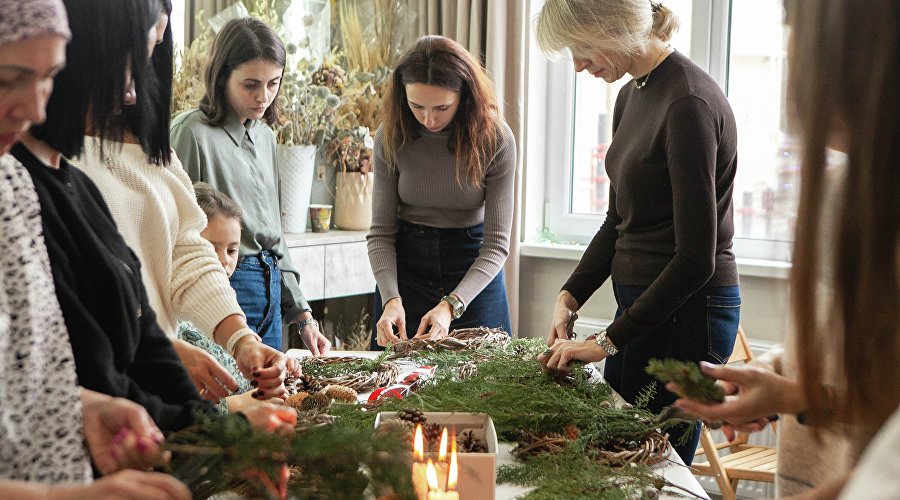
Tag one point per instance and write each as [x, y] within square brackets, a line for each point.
[710, 49]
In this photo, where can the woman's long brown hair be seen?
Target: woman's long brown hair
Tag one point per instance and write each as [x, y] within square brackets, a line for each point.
[843, 84]
[477, 134]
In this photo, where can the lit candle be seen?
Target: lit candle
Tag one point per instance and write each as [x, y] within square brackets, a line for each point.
[434, 492]
[419, 480]
[453, 473]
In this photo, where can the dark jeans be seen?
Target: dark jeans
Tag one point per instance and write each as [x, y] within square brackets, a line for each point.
[702, 329]
[430, 264]
[257, 283]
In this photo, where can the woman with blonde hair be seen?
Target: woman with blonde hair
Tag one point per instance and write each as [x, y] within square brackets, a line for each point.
[666, 241]
[445, 165]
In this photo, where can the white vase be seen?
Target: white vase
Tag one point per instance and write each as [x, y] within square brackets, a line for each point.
[296, 168]
[353, 201]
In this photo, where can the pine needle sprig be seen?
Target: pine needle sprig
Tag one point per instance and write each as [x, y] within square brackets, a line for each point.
[693, 382]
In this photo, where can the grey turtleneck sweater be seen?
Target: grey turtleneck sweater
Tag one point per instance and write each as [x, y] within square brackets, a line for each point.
[423, 189]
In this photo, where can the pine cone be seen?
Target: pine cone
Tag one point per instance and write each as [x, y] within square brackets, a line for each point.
[468, 443]
[340, 393]
[412, 415]
[295, 401]
[401, 428]
[432, 435]
[315, 401]
[294, 385]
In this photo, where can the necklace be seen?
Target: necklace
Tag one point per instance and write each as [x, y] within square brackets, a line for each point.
[646, 78]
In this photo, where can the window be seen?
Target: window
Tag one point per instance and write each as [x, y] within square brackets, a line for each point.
[742, 44]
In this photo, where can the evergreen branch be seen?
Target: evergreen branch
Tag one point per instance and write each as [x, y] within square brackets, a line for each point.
[693, 382]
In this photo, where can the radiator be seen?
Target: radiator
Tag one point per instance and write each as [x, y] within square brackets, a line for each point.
[586, 326]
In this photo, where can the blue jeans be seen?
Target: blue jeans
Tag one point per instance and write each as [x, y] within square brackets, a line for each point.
[257, 283]
[430, 264]
[702, 329]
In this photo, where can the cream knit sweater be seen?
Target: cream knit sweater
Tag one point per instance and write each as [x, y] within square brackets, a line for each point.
[156, 212]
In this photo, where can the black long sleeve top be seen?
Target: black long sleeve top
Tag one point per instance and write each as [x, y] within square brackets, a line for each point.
[671, 165]
[118, 346]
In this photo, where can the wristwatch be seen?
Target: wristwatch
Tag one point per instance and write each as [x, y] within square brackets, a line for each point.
[455, 304]
[310, 321]
[604, 342]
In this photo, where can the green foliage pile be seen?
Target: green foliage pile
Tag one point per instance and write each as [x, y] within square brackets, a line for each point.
[328, 462]
[333, 370]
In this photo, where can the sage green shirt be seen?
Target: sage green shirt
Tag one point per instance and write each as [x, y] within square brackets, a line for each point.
[240, 160]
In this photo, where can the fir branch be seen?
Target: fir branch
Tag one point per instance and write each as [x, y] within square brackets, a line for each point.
[693, 382]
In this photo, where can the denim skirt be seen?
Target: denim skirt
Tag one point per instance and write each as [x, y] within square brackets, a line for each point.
[702, 329]
[257, 284]
[430, 264]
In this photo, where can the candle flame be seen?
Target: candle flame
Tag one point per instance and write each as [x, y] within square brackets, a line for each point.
[442, 450]
[419, 444]
[452, 474]
[431, 476]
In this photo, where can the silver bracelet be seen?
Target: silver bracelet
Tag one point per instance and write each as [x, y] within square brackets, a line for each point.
[310, 321]
[237, 336]
[604, 342]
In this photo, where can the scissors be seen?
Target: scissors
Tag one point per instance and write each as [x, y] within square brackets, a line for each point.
[570, 327]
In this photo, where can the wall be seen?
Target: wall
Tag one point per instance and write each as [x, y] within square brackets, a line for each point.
[763, 313]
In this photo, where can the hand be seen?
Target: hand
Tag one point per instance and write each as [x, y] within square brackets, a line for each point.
[565, 307]
[393, 315]
[436, 322]
[293, 366]
[241, 402]
[128, 484]
[264, 366]
[272, 418]
[119, 433]
[752, 394]
[212, 380]
[313, 339]
[564, 352]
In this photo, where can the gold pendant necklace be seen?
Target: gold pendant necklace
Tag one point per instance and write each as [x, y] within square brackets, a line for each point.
[646, 78]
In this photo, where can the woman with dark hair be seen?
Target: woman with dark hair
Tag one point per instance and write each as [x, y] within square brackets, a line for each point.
[445, 164]
[49, 433]
[152, 201]
[119, 349]
[843, 354]
[666, 241]
[226, 144]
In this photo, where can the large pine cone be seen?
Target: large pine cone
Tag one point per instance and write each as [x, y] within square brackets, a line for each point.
[412, 415]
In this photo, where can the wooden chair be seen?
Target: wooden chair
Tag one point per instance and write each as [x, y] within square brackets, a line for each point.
[745, 461]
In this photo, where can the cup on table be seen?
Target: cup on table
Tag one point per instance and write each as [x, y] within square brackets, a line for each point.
[320, 215]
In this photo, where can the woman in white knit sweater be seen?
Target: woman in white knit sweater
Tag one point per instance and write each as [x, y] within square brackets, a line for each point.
[152, 201]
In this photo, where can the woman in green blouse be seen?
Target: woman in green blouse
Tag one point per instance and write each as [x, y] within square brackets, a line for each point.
[227, 143]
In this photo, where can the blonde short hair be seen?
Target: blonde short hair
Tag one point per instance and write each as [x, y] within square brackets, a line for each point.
[617, 25]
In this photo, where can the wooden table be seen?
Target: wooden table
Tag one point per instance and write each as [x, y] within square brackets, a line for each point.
[672, 469]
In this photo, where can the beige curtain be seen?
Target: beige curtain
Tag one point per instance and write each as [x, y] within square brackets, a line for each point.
[496, 31]
[506, 52]
[461, 20]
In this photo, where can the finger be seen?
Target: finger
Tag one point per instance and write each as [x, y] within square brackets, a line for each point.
[401, 326]
[140, 422]
[310, 338]
[724, 372]
[728, 430]
[214, 389]
[675, 389]
[324, 344]
[565, 357]
[225, 379]
[271, 386]
[423, 326]
[160, 485]
[704, 411]
[555, 334]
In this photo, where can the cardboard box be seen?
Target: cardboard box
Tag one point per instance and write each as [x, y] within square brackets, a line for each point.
[477, 471]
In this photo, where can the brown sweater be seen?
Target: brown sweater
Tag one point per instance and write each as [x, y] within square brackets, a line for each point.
[669, 226]
[423, 189]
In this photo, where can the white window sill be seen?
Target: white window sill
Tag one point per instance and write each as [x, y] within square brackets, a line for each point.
[746, 267]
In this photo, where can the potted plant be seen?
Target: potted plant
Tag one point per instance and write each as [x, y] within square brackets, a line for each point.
[350, 152]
